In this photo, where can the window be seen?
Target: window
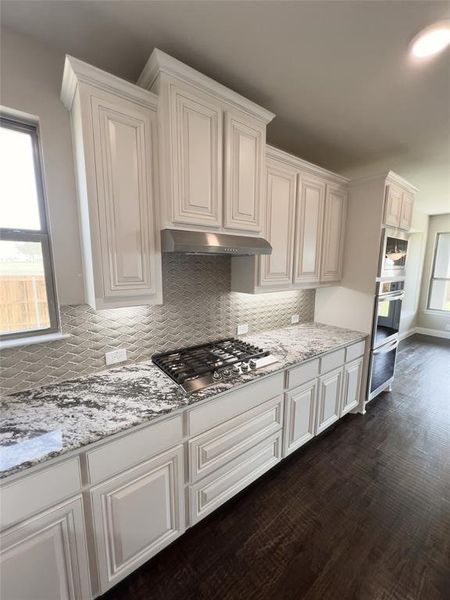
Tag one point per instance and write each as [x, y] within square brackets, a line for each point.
[439, 297]
[27, 289]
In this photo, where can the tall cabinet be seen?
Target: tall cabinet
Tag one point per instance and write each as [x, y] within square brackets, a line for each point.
[305, 214]
[212, 150]
[114, 127]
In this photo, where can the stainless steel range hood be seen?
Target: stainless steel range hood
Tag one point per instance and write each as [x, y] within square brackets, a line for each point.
[204, 242]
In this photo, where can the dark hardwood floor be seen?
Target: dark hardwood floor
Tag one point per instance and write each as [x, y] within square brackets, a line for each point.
[363, 512]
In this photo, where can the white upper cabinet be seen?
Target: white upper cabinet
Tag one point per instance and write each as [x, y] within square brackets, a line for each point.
[212, 150]
[333, 233]
[276, 268]
[398, 204]
[245, 144]
[114, 127]
[311, 199]
[195, 147]
[393, 206]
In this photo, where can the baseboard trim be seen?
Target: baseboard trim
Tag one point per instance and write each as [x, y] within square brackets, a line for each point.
[406, 334]
[434, 332]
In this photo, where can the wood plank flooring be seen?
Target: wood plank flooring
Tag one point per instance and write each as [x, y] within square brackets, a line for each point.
[361, 513]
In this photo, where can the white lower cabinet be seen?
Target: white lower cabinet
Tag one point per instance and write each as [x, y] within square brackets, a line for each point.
[300, 416]
[329, 399]
[215, 489]
[45, 557]
[136, 514]
[352, 385]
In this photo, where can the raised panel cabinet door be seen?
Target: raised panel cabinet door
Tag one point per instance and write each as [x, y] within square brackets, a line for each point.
[300, 416]
[196, 158]
[136, 514]
[45, 557]
[407, 211]
[244, 172]
[352, 385]
[333, 233]
[329, 399]
[310, 209]
[392, 206]
[281, 184]
[124, 147]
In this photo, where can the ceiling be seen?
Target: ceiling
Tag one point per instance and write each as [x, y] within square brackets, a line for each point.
[337, 73]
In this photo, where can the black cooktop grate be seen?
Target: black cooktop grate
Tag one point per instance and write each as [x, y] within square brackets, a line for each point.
[194, 361]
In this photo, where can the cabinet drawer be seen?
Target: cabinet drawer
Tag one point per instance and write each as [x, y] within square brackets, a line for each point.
[303, 373]
[234, 403]
[215, 448]
[212, 491]
[355, 351]
[25, 497]
[331, 361]
[129, 450]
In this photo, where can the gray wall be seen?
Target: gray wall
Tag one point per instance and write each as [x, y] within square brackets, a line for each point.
[30, 82]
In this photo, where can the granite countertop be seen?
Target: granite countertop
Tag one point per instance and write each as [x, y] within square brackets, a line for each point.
[41, 424]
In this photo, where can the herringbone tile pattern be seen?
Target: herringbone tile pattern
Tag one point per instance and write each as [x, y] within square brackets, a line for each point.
[198, 307]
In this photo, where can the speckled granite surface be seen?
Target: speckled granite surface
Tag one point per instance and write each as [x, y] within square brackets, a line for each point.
[40, 424]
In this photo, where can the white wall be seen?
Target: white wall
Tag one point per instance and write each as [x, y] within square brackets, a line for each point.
[414, 268]
[30, 81]
[427, 319]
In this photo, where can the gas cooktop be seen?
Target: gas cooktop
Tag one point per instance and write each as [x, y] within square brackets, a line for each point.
[197, 367]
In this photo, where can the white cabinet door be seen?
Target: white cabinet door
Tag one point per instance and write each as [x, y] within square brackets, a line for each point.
[333, 233]
[300, 416]
[45, 557]
[352, 385]
[407, 211]
[244, 172]
[136, 514]
[281, 183]
[196, 158]
[329, 399]
[392, 206]
[124, 142]
[311, 199]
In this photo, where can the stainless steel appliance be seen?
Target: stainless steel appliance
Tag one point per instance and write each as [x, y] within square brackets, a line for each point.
[204, 242]
[393, 254]
[385, 336]
[197, 367]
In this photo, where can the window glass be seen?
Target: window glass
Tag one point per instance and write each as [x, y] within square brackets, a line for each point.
[19, 208]
[442, 262]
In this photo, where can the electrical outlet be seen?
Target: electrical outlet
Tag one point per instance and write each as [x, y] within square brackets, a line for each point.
[116, 356]
[295, 319]
[242, 329]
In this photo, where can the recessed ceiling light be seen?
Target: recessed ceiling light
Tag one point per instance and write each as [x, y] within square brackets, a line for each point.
[431, 40]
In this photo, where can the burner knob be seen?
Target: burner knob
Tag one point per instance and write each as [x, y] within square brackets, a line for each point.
[235, 369]
[252, 363]
[217, 375]
[226, 372]
[244, 367]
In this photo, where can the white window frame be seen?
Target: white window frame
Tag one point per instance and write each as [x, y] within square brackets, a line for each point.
[42, 235]
[432, 276]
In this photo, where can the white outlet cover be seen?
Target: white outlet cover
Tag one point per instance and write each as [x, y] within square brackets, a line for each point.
[116, 356]
[242, 329]
[295, 319]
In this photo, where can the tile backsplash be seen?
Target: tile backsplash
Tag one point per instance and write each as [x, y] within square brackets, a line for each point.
[198, 307]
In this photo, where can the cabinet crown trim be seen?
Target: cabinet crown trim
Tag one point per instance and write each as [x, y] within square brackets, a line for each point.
[387, 177]
[304, 166]
[77, 71]
[160, 62]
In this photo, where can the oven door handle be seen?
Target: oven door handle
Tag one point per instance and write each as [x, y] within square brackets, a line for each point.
[387, 348]
[389, 297]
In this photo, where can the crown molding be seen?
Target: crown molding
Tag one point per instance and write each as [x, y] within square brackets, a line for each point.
[160, 62]
[387, 177]
[77, 71]
[304, 166]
